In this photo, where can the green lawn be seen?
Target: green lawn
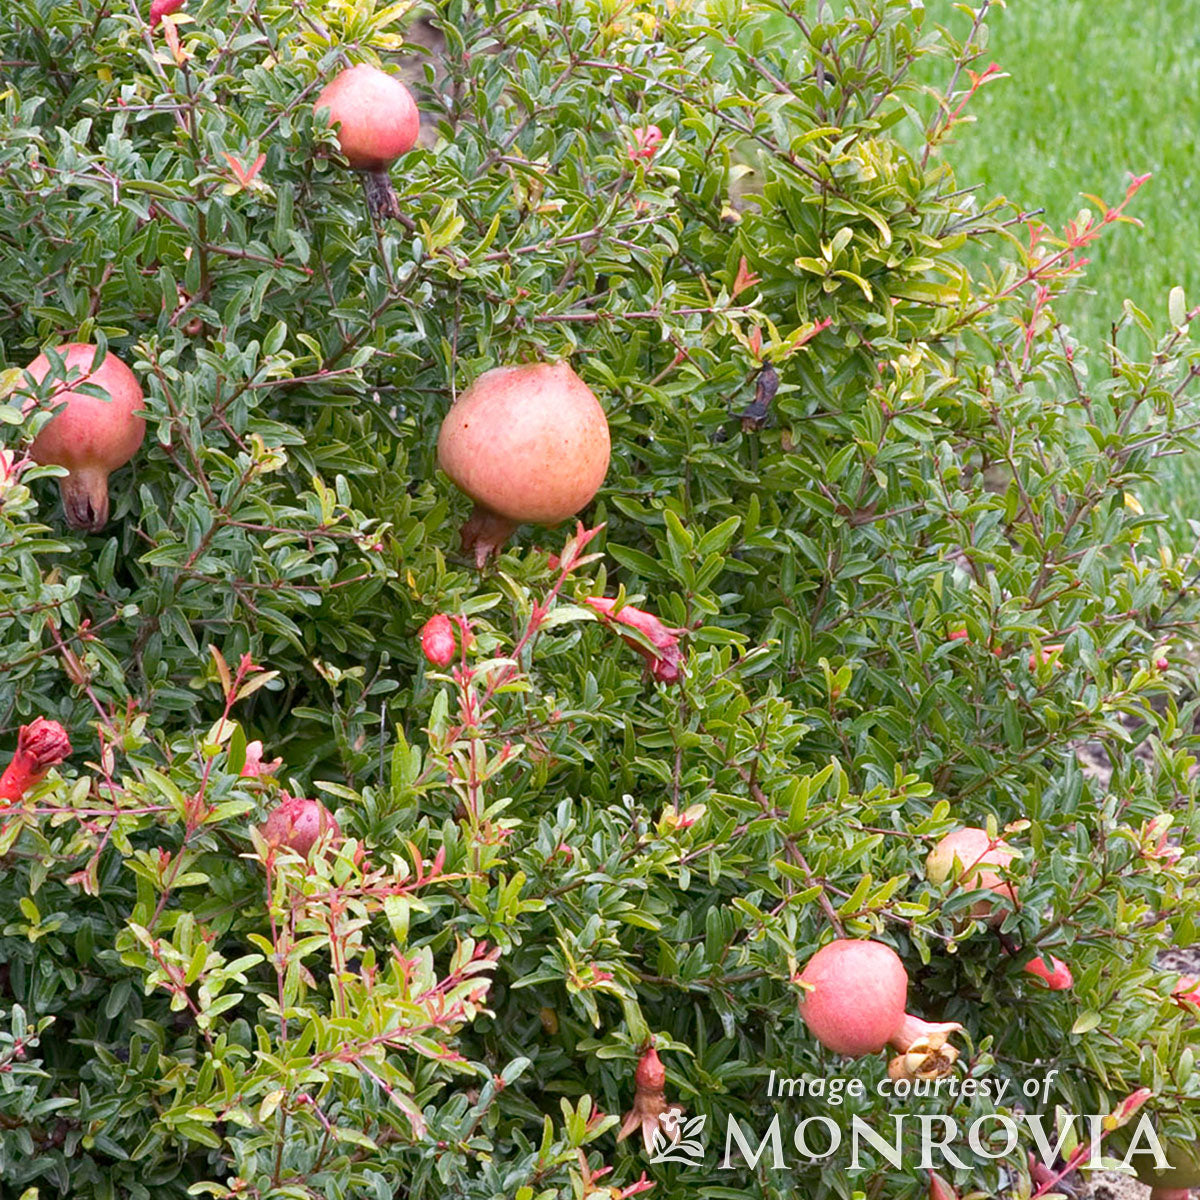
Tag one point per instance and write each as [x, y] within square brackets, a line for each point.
[1098, 90]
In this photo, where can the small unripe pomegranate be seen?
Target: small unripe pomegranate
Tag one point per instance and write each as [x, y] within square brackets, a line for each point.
[852, 999]
[527, 444]
[378, 122]
[90, 437]
[1057, 978]
[437, 640]
[964, 857]
[299, 824]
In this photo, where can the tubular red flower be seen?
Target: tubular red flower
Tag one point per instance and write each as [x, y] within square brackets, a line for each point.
[665, 662]
[44, 742]
[40, 746]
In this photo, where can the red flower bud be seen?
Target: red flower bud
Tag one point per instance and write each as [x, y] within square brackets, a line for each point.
[437, 640]
[939, 1189]
[40, 746]
[45, 742]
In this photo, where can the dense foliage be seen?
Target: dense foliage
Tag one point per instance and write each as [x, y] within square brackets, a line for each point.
[550, 855]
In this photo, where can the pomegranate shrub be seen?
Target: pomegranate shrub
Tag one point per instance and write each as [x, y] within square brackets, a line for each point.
[863, 558]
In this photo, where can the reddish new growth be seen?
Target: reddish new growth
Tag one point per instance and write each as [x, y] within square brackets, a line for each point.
[650, 1103]
[1155, 846]
[665, 660]
[40, 746]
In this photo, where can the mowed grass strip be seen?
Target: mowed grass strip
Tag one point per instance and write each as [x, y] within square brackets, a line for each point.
[1096, 91]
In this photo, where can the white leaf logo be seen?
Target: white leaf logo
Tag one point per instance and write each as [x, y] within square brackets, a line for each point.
[681, 1143]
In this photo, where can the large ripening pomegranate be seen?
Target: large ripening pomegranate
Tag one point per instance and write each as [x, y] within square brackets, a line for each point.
[527, 444]
[853, 1001]
[89, 436]
[377, 121]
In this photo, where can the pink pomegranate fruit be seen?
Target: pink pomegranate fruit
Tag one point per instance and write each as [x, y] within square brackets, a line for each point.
[163, 8]
[853, 997]
[299, 824]
[377, 121]
[528, 444]
[89, 436]
[965, 858]
[1057, 977]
